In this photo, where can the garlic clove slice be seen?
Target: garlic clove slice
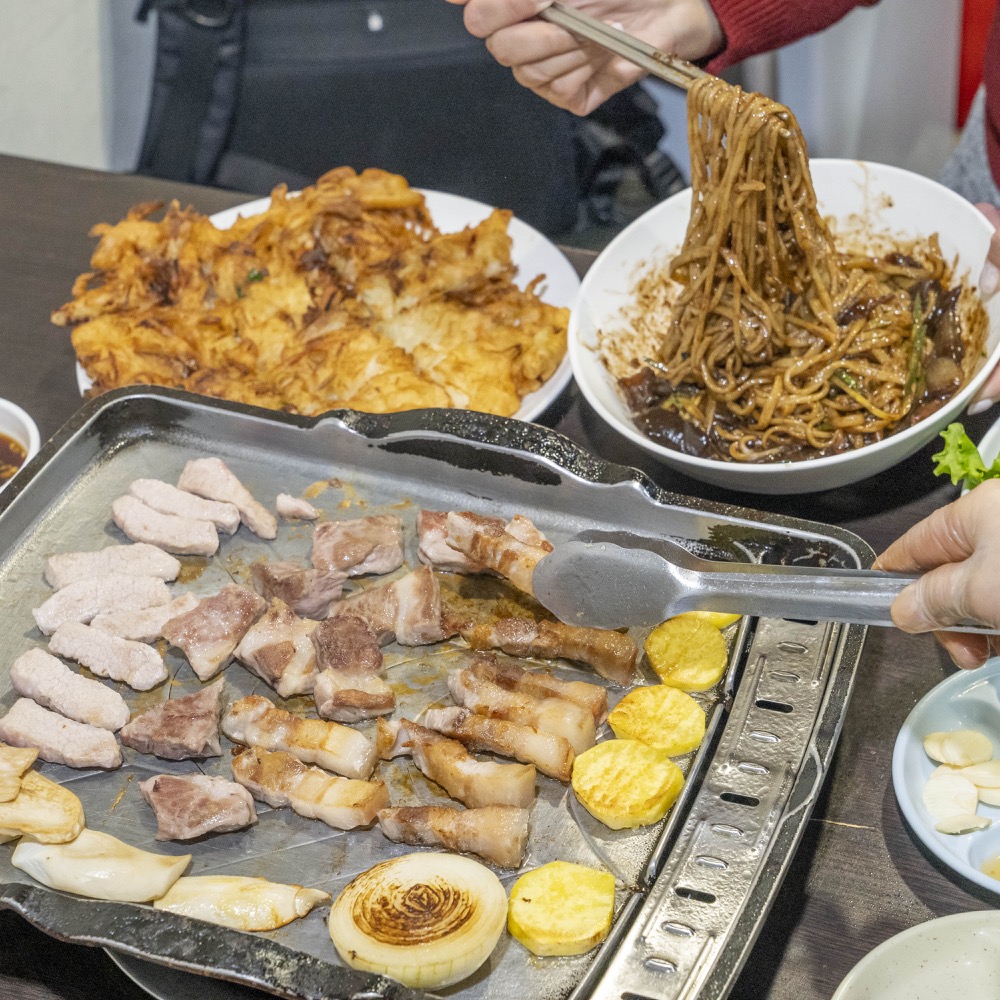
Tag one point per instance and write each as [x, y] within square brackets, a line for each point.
[965, 746]
[983, 775]
[949, 795]
[962, 823]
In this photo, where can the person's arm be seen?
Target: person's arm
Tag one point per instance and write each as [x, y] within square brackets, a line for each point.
[957, 549]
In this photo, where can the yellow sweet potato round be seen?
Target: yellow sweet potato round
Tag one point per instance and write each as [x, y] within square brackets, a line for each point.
[720, 619]
[661, 717]
[561, 908]
[687, 653]
[624, 783]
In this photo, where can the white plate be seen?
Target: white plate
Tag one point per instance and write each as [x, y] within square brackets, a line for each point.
[969, 699]
[532, 252]
[989, 446]
[954, 956]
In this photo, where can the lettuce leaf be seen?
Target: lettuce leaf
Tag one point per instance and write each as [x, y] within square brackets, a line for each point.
[960, 459]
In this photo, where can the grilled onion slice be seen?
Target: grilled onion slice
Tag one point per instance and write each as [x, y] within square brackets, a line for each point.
[426, 920]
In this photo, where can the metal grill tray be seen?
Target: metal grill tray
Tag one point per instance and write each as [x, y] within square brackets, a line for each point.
[692, 891]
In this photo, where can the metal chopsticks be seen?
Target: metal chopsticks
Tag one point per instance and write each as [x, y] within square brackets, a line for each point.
[679, 72]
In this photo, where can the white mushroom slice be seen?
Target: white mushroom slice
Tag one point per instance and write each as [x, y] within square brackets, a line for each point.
[989, 796]
[984, 775]
[960, 747]
[14, 761]
[949, 795]
[239, 901]
[43, 809]
[100, 866]
[962, 823]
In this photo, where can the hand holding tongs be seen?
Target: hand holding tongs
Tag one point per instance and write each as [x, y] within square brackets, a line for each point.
[673, 69]
[612, 579]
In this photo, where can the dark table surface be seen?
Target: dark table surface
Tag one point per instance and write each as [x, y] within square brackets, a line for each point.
[859, 876]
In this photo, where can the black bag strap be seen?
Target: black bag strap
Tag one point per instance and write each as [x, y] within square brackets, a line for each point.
[200, 47]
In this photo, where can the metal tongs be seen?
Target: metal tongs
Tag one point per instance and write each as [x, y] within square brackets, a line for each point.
[613, 579]
[679, 72]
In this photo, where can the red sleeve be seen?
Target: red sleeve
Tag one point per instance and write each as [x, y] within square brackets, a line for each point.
[755, 26]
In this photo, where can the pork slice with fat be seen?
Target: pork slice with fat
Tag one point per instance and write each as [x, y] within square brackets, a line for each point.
[49, 682]
[349, 687]
[133, 663]
[213, 479]
[136, 559]
[512, 554]
[295, 507]
[168, 499]
[359, 546]
[191, 805]
[85, 599]
[179, 728]
[278, 649]
[180, 535]
[146, 625]
[57, 739]
[307, 592]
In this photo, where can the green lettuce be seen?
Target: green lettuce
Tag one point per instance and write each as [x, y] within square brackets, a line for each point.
[960, 459]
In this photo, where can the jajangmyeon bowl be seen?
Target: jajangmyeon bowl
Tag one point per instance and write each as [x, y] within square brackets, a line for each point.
[871, 208]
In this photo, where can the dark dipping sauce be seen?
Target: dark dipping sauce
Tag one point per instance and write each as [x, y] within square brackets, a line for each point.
[653, 399]
[12, 456]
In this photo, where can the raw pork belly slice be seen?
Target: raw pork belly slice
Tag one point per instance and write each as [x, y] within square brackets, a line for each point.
[58, 739]
[363, 545]
[191, 805]
[134, 663]
[551, 754]
[496, 833]
[447, 762]
[83, 600]
[279, 651]
[146, 625]
[255, 721]
[213, 479]
[295, 507]
[512, 551]
[209, 634]
[611, 654]
[184, 536]
[42, 678]
[279, 779]
[180, 728]
[407, 610]
[307, 592]
[167, 499]
[138, 559]
[349, 687]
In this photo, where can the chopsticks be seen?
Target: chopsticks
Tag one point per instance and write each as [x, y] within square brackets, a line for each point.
[679, 72]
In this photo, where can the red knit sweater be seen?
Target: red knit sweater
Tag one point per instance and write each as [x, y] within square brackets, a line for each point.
[755, 26]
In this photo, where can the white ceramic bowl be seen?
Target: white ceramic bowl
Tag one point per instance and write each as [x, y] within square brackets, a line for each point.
[883, 200]
[956, 956]
[16, 424]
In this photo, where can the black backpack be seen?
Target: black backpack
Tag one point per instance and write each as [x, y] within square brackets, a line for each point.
[251, 93]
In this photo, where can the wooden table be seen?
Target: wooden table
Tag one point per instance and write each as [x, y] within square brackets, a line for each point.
[859, 876]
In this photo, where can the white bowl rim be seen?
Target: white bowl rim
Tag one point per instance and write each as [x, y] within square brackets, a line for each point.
[760, 470]
[34, 441]
[976, 918]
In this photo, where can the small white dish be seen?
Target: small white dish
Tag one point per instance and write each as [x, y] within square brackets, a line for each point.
[968, 699]
[954, 956]
[19, 426]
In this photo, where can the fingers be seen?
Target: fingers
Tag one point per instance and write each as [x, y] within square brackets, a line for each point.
[990, 391]
[940, 598]
[534, 44]
[486, 17]
[967, 650]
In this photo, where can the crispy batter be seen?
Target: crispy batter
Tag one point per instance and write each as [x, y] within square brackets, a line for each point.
[343, 295]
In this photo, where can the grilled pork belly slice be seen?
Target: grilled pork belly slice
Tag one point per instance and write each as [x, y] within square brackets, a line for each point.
[497, 833]
[551, 715]
[146, 625]
[349, 687]
[279, 651]
[538, 684]
[213, 479]
[168, 499]
[83, 600]
[181, 535]
[255, 721]
[511, 550]
[191, 805]
[613, 655]
[307, 592]
[447, 762]
[179, 728]
[133, 663]
[356, 547]
[137, 559]
[58, 739]
[209, 634]
[295, 507]
[49, 682]
[551, 754]
[280, 779]
[407, 610]
[433, 548]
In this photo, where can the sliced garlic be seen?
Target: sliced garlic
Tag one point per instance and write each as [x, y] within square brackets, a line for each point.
[242, 902]
[100, 866]
[983, 775]
[960, 747]
[949, 795]
[426, 920]
[989, 796]
[962, 823]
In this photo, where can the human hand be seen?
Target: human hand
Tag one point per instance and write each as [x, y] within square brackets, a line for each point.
[578, 75]
[957, 549]
[989, 282]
